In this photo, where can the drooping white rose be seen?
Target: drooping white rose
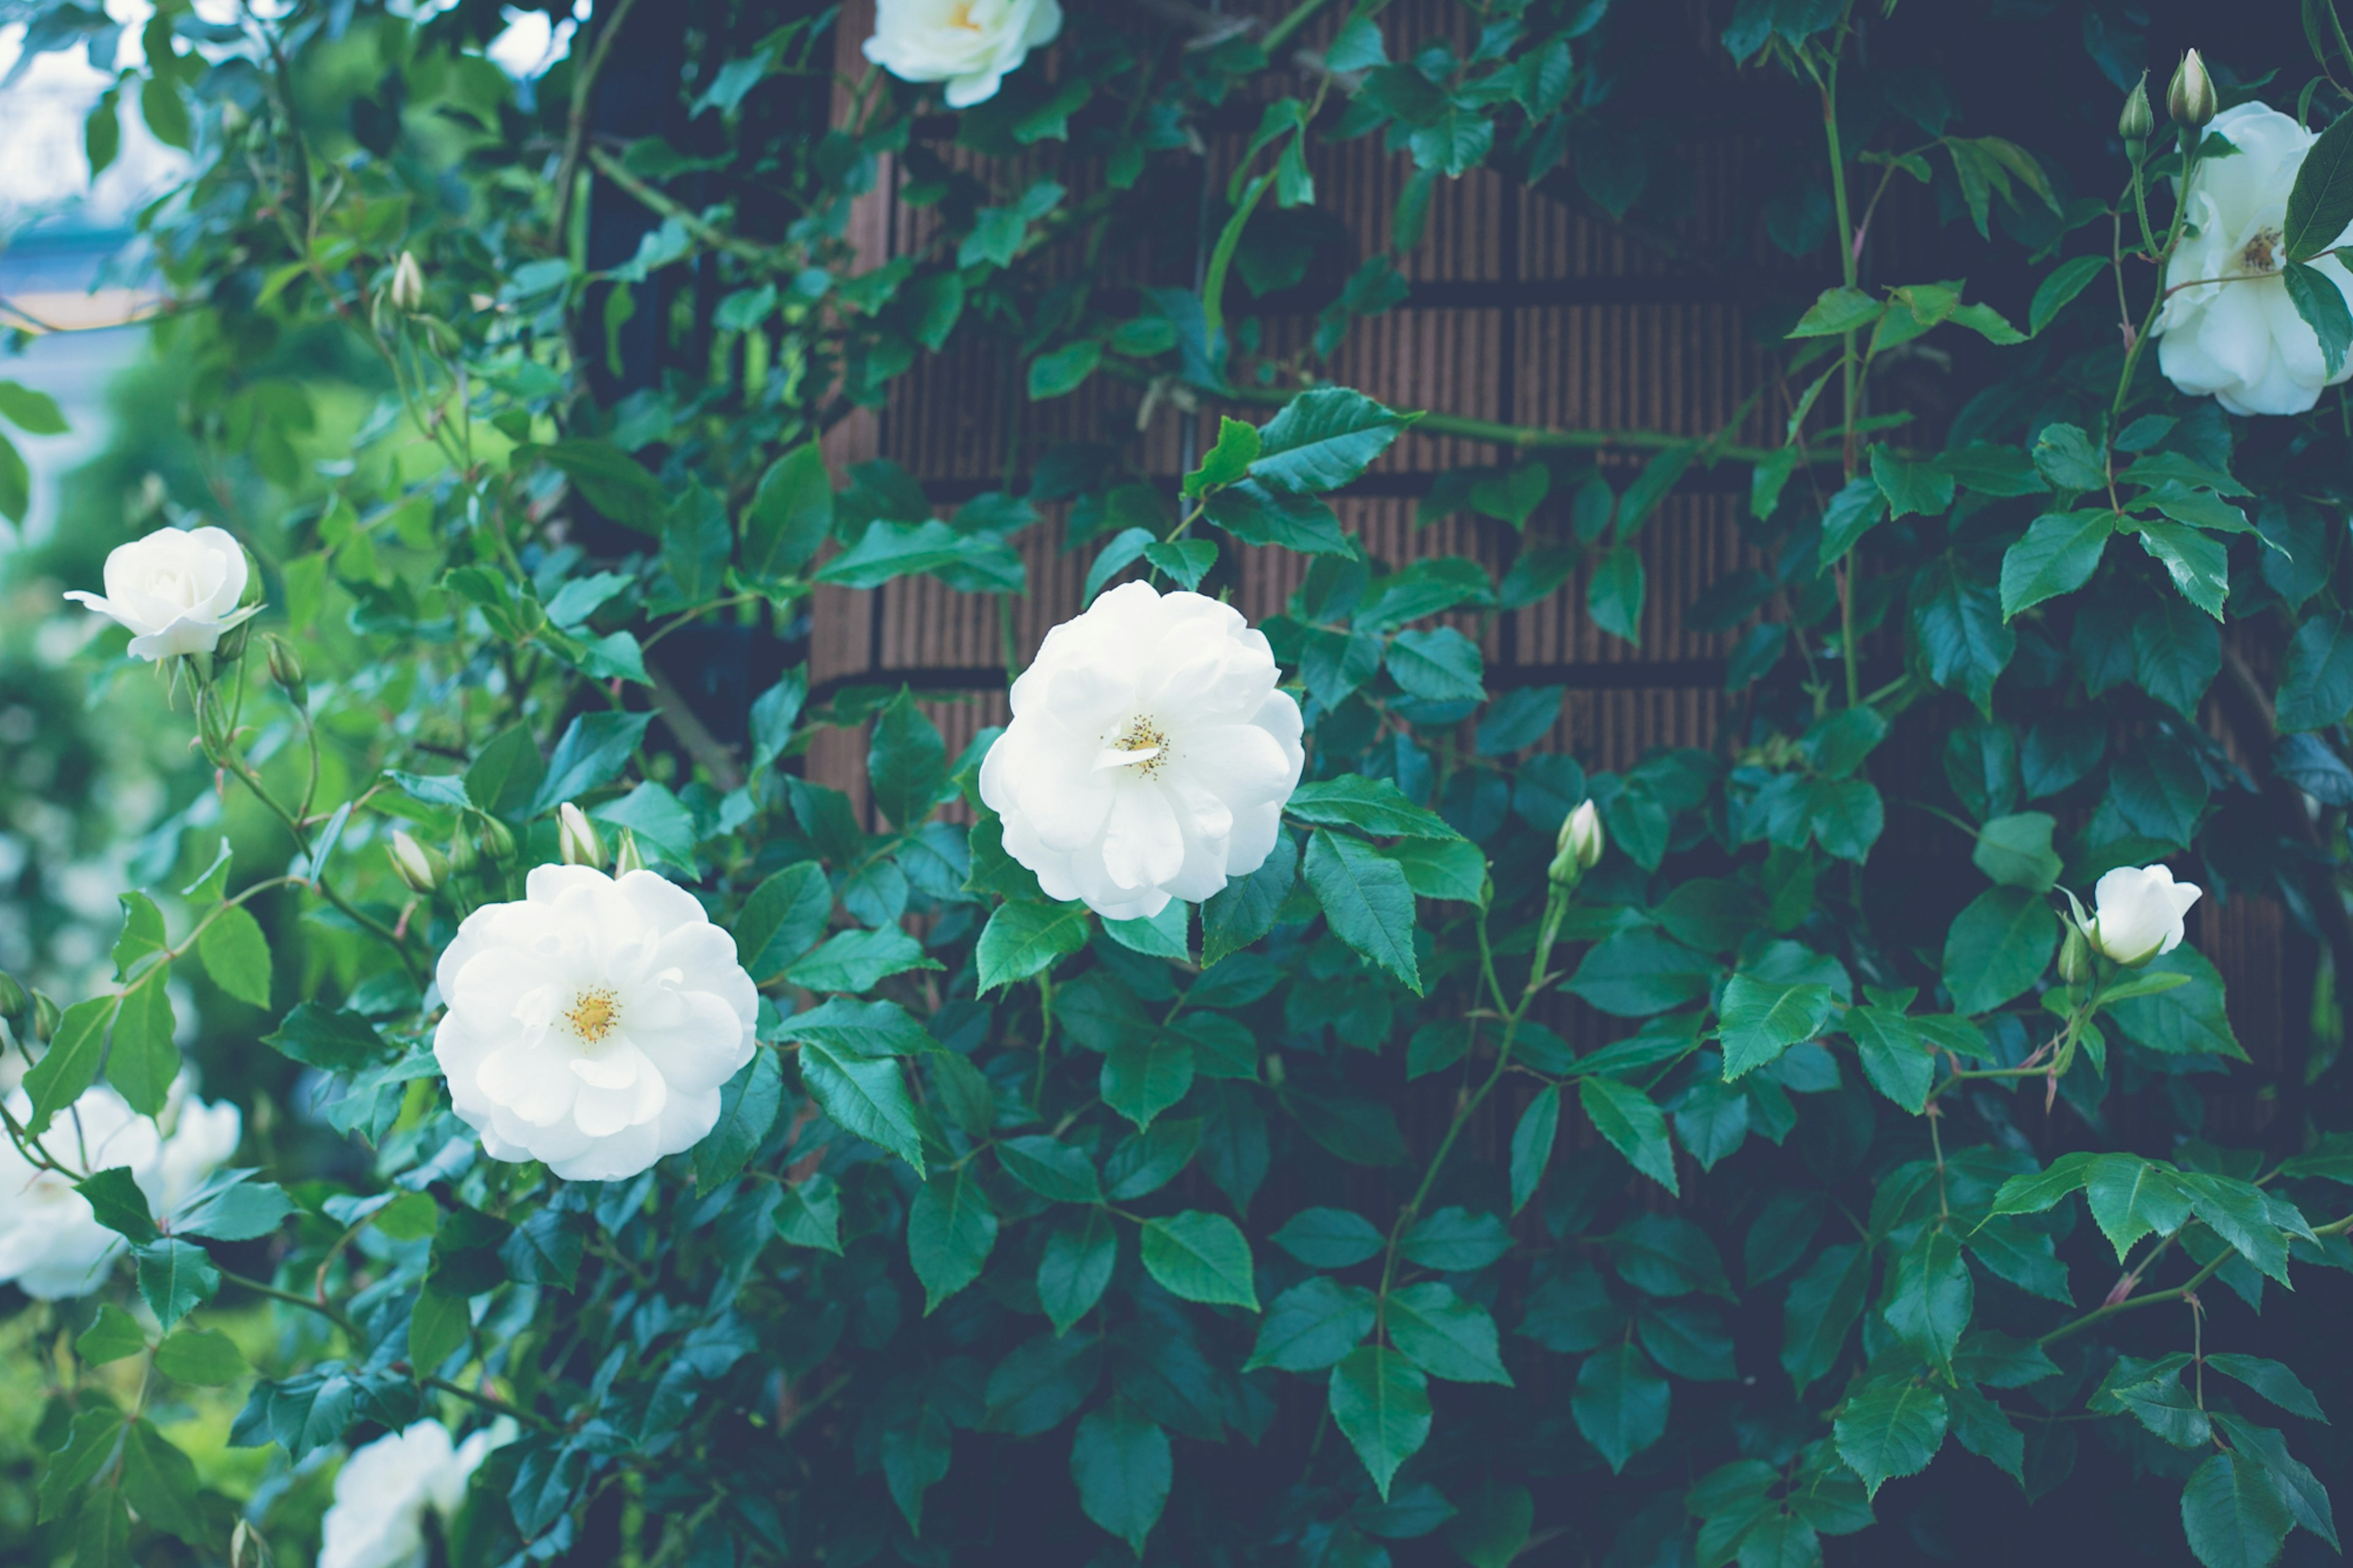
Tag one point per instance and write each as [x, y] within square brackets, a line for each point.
[51, 1245]
[2242, 341]
[1149, 754]
[384, 1490]
[177, 592]
[592, 1022]
[967, 44]
[2137, 913]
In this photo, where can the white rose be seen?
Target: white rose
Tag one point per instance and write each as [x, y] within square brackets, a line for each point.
[967, 44]
[382, 1491]
[177, 592]
[2242, 340]
[1149, 754]
[592, 1023]
[51, 1245]
[2139, 913]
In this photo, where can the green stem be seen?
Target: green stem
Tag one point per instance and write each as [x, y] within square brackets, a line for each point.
[1849, 270]
[2130, 1302]
[1277, 34]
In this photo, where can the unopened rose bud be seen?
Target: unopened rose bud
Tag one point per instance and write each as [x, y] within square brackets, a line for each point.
[576, 837]
[406, 290]
[16, 1002]
[627, 858]
[2191, 98]
[422, 868]
[285, 669]
[45, 1018]
[1579, 848]
[2137, 121]
[2075, 957]
[2140, 910]
[461, 852]
[496, 839]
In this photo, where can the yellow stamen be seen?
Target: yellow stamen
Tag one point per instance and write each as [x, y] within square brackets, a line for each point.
[594, 1014]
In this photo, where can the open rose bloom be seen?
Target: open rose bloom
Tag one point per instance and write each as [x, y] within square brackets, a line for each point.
[1149, 755]
[386, 1487]
[592, 1022]
[177, 592]
[2241, 340]
[967, 44]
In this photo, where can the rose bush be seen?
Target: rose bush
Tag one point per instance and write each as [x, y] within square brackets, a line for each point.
[1271, 1100]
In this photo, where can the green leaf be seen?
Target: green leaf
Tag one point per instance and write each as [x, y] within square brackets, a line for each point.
[968, 562]
[34, 413]
[1329, 1238]
[1441, 869]
[1022, 940]
[117, 1203]
[1888, 1427]
[1762, 1018]
[2197, 562]
[1456, 1240]
[1313, 1325]
[1640, 974]
[2039, 1190]
[2130, 1197]
[1895, 1058]
[748, 1103]
[2307, 1498]
[203, 1357]
[2016, 852]
[1257, 515]
[143, 938]
[1823, 1304]
[595, 747]
[1323, 438]
[143, 1062]
[438, 1326]
[236, 955]
[1614, 594]
[1961, 629]
[1631, 1123]
[2234, 1513]
[112, 1335]
[865, 1096]
[160, 1482]
[1052, 1169]
[2177, 653]
[1381, 1404]
[1185, 561]
[1200, 1256]
[1852, 513]
[1621, 1403]
[1228, 461]
[1080, 1252]
[1370, 806]
[1367, 901]
[1439, 665]
[1930, 1296]
[2320, 203]
[2059, 289]
[1531, 1144]
[850, 1029]
[859, 960]
[1836, 313]
[950, 1230]
[907, 763]
[174, 1278]
[615, 483]
[790, 514]
[1065, 370]
[2271, 1379]
[1122, 1464]
[1998, 946]
[2317, 690]
[782, 919]
[1246, 910]
[1145, 1074]
[2058, 554]
[230, 1207]
[810, 1214]
[1909, 487]
[2070, 459]
[90, 1444]
[1444, 1335]
[1979, 1424]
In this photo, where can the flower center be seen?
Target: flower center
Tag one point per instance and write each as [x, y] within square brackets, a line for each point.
[1140, 746]
[593, 1015]
[2262, 253]
[960, 16]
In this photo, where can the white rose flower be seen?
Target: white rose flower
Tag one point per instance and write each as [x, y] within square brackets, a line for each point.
[967, 44]
[384, 1489]
[177, 592]
[2139, 913]
[1149, 754]
[592, 1023]
[51, 1245]
[2242, 341]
